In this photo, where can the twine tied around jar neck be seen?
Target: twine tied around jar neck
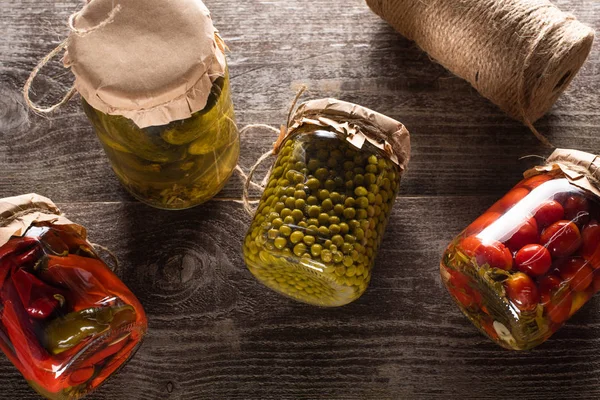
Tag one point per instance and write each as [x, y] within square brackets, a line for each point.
[81, 32]
[580, 168]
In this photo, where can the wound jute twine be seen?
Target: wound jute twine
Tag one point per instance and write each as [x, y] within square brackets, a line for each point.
[520, 54]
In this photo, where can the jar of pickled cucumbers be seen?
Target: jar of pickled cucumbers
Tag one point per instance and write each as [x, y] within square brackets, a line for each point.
[526, 265]
[322, 216]
[155, 86]
[67, 322]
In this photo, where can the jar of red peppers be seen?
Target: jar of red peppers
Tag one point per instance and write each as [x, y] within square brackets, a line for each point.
[526, 265]
[66, 321]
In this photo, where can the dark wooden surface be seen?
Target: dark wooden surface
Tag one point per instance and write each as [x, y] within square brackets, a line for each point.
[215, 333]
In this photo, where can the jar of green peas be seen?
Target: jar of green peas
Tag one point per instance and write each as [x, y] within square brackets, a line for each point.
[322, 216]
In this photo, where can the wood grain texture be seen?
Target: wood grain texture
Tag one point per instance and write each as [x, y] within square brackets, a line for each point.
[215, 333]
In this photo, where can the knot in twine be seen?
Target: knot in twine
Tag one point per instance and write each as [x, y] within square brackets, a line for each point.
[520, 54]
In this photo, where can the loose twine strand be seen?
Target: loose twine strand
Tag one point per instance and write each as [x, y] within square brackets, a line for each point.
[282, 134]
[520, 54]
[81, 32]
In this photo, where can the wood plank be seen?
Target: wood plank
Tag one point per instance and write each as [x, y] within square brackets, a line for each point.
[215, 333]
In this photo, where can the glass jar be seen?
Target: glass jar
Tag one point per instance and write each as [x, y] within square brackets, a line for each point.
[526, 265]
[322, 216]
[178, 165]
[67, 321]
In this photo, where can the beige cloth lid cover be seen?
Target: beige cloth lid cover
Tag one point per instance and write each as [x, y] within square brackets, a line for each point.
[358, 124]
[20, 212]
[580, 168]
[153, 62]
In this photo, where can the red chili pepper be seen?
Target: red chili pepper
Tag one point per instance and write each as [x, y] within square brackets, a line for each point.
[89, 274]
[9, 255]
[36, 363]
[114, 364]
[40, 300]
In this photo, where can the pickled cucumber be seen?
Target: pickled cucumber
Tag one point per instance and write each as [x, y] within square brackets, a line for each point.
[178, 165]
[321, 219]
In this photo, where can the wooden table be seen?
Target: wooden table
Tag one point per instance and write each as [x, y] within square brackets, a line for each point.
[215, 333]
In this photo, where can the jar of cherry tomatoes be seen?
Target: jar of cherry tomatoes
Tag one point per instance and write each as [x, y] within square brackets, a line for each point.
[322, 216]
[66, 322]
[526, 265]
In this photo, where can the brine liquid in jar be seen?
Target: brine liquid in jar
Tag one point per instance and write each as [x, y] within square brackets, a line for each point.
[526, 265]
[178, 165]
[67, 322]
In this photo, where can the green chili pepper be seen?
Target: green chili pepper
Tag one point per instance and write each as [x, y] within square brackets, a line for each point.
[66, 332]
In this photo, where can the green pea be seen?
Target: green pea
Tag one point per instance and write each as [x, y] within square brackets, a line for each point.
[316, 250]
[312, 200]
[348, 165]
[298, 215]
[349, 238]
[338, 209]
[313, 184]
[327, 205]
[337, 240]
[359, 233]
[289, 220]
[290, 202]
[312, 221]
[323, 194]
[326, 256]
[309, 240]
[348, 261]
[296, 237]
[324, 231]
[286, 212]
[299, 249]
[359, 179]
[361, 191]
[332, 163]
[361, 214]
[272, 233]
[313, 164]
[349, 213]
[323, 219]
[334, 219]
[300, 204]
[344, 228]
[336, 197]
[312, 230]
[338, 257]
[327, 244]
[321, 173]
[373, 159]
[362, 202]
[285, 230]
[300, 194]
[314, 211]
[347, 248]
[349, 202]
[330, 184]
[334, 229]
[302, 224]
[280, 243]
[371, 168]
[279, 206]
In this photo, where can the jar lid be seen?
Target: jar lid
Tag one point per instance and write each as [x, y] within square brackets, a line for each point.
[20, 212]
[151, 61]
[580, 168]
[358, 124]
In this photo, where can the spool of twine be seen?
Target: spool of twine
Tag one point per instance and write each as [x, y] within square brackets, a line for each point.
[520, 54]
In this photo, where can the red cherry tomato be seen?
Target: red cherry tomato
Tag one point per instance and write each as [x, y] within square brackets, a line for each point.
[549, 285]
[559, 307]
[535, 181]
[533, 259]
[484, 220]
[562, 238]
[464, 298]
[527, 234]
[577, 209]
[591, 243]
[469, 245]
[509, 200]
[549, 212]
[521, 290]
[458, 279]
[577, 272]
[495, 254]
